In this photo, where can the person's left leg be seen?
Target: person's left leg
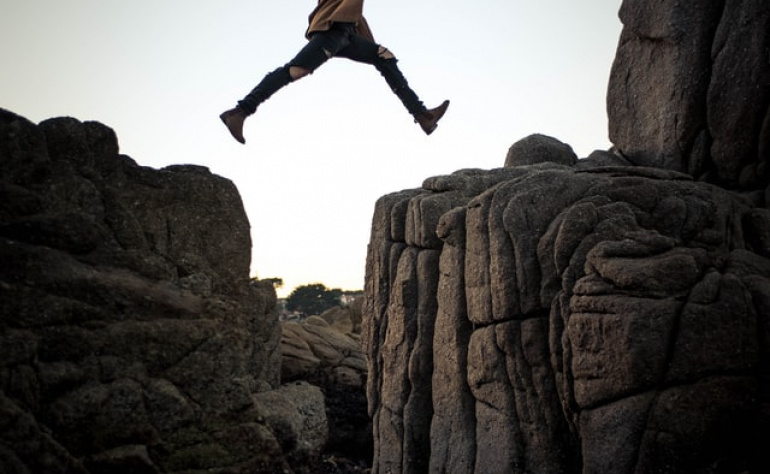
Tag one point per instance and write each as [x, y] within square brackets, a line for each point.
[365, 51]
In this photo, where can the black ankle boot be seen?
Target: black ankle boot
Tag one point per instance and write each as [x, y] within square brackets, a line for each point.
[233, 119]
[428, 119]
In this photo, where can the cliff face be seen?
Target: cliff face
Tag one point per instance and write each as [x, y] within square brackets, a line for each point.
[689, 89]
[131, 337]
[609, 314]
[567, 319]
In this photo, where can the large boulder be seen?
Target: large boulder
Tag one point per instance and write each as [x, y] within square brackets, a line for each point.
[567, 319]
[607, 315]
[689, 89]
[131, 337]
[539, 148]
[331, 358]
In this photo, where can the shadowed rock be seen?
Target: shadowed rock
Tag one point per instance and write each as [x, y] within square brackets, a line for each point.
[332, 359]
[609, 314]
[131, 339]
[580, 319]
[689, 89]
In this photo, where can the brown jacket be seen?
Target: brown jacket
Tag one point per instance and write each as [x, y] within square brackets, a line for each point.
[342, 11]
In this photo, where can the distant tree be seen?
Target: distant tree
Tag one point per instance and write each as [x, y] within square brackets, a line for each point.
[313, 299]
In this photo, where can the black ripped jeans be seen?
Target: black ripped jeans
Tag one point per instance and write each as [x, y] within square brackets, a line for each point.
[340, 41]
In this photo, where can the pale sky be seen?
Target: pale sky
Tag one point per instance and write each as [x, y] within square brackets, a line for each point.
[321, 151]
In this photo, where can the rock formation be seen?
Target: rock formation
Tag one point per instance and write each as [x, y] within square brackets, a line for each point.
[689, 89]
[330, 357]
[131, 338]
[609, 314]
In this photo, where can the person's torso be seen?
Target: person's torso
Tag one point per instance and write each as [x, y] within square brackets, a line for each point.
[331, 11]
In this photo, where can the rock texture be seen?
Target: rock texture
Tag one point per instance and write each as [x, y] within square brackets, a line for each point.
[330, 357]
[689, 89]
[563, 319]
[131, 338]
[603, 315]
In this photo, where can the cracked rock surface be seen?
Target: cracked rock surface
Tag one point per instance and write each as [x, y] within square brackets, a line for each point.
[131, 339]
[570, 319]
[609, 314]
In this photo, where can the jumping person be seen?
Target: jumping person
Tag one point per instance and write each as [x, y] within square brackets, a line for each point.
[336, 28]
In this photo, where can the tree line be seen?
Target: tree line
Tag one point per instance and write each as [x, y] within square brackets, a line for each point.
[314, 298]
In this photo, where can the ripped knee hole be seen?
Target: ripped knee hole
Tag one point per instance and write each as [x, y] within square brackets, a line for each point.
[298, 72]
[385, 53]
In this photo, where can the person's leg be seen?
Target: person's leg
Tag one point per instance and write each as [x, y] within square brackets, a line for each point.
[365, 51]
[317, 51]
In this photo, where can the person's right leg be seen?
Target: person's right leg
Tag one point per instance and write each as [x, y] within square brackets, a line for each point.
[317, 51]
